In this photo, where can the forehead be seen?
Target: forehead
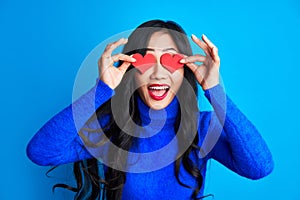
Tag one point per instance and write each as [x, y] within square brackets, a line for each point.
[161, 40]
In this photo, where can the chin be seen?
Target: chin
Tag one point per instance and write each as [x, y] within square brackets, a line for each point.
[161, 104]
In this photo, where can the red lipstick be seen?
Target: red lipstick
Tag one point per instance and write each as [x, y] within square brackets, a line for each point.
[158, 91]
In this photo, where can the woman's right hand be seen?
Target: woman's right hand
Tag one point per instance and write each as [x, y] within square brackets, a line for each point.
[108, 73]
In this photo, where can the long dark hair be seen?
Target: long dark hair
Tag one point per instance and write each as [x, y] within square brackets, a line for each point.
[95, 184]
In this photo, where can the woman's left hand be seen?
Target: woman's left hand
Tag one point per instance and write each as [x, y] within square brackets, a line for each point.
[208, 72]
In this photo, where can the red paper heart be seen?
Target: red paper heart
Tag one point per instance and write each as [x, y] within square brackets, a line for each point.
[143, 63]
[171, 62]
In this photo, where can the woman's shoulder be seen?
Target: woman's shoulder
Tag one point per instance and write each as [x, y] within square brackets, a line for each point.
[207, 130]
[204, 119]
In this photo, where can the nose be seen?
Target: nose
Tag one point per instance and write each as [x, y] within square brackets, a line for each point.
[158, 72]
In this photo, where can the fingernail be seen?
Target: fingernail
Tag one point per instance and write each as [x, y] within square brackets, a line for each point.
[194, 36]
[182, 60]
[133, 59]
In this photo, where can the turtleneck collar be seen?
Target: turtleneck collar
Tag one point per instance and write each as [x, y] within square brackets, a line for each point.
[167, 116]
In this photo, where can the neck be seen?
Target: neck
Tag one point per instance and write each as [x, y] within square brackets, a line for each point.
[165, 117]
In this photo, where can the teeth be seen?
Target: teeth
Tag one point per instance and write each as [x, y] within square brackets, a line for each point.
[158, 87]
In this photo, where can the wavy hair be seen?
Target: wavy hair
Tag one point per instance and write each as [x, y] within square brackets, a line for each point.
[94, 183]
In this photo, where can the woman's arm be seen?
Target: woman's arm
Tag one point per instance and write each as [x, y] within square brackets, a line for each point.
[230, 137]
[239, 145]
[57, 142]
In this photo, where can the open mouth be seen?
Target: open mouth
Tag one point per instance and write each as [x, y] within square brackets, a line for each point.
[158, 91]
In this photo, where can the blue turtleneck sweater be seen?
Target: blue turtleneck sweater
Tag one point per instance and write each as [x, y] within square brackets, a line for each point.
[225, 135]
[158, 180]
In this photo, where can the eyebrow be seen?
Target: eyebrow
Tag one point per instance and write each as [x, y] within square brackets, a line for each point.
[166, 49]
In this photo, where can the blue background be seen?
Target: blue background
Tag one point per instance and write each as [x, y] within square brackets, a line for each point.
[43, 43]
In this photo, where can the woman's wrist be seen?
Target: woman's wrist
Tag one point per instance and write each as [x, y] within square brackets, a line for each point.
[209, 84]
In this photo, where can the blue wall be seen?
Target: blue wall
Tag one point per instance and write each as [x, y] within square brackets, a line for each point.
[43, 43]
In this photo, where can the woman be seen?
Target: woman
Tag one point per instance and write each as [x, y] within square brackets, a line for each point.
[156, 143]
